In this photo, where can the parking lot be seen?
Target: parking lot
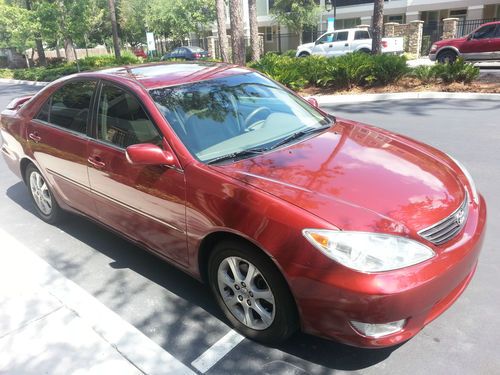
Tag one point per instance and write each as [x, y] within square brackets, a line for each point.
[180, 315]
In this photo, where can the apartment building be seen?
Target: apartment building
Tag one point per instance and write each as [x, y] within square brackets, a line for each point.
[355, 12]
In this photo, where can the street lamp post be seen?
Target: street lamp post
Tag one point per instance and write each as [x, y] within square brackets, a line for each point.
[329, 5]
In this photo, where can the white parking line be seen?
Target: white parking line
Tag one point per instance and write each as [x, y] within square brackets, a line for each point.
[132, 344]
[217, 351]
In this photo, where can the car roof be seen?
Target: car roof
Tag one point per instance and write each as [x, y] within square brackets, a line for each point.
[155, 75]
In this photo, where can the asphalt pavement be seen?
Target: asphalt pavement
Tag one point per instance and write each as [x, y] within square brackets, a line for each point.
[178, 313]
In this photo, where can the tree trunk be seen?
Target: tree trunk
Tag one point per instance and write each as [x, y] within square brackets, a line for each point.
[221, 29]
[69, 49]
[58, 51]
[38, 41]
[237, 34]
[378, 25]
[254, 29]
[114, 27]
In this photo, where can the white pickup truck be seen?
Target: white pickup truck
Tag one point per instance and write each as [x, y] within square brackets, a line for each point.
[341, 42]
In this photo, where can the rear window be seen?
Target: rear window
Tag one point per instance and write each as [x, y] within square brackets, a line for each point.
[361, 34]
[69, 106]
[196, 49]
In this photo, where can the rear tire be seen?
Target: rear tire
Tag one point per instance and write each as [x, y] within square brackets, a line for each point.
[304, 54]
[45, 204]
[447, 56]
[251, 292]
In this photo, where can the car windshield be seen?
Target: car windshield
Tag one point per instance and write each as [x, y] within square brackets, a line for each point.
[234, 115]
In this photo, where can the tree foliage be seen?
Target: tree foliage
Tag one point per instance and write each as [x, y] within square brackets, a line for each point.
[296, 14]
[17, 26]
[177, 18]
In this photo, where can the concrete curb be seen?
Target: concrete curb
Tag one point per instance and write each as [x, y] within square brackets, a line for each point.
[362, 98]
[21, 82]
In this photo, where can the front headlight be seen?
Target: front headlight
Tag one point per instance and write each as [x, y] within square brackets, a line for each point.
[475, 195]
[434, 48]
[368, 252]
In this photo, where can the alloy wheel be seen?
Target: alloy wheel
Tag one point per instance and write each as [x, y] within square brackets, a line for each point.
[246, 293]
[41, 193]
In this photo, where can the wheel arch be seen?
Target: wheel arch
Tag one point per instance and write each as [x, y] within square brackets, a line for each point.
[447, 48]
[23, 164]
[208, 243]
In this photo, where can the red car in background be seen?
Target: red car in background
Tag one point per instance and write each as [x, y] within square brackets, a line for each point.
[482, 44]
[295, 218]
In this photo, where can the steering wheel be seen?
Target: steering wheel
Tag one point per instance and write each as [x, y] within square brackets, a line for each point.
[253, 114]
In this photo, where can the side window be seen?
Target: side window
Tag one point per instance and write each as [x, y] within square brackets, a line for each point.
[497, 32]
[122, 121]
[485, 32]
[342, 36]
[69, 106]
[361, 34]
[325, 39]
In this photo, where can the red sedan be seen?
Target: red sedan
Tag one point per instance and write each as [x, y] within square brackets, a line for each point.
[294, 218]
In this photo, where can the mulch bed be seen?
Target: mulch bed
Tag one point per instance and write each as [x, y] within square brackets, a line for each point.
[488, 83]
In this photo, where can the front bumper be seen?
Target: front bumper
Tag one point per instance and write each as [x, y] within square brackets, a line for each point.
[432, 56]
[329, 301]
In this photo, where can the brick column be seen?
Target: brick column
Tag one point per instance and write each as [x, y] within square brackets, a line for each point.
[450, 27]
[389, 29]
[415, 31]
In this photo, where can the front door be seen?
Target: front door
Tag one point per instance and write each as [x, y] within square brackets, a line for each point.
[147, 203]
[58, 139]
[481, 46]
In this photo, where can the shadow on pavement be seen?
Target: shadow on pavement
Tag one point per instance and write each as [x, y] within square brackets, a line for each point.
[192, 303]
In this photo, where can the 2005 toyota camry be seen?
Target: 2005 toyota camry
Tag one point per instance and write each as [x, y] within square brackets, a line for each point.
[294, 218]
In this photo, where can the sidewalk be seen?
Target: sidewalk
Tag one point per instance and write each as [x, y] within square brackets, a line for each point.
[49, 325]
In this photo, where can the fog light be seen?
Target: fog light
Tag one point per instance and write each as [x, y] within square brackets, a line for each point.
[378, 330]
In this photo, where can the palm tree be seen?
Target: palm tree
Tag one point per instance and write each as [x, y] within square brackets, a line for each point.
[220, 6]
[254, 29]
[114, 27]
[378, 25]
[237, 34]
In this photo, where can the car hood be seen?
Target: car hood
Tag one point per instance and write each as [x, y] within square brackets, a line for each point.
[306, 46]
[450, 42]
[358, 177]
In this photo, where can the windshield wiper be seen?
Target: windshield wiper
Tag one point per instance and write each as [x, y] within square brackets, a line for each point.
[238, 154]
[297, 135]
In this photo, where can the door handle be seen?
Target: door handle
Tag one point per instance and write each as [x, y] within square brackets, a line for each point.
[346, 45]
[96, 162]
[35, 137]
[330, 46]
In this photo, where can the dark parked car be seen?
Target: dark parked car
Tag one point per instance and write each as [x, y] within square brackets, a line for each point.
[186, 53]
[481, 45]
[294, 218]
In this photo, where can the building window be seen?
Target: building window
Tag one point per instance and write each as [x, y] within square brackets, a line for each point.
[399, 18]
[269, 34]
[497, 13]
[347, 23]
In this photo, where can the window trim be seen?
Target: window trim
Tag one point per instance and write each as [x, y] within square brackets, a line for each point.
[91, 107]
[94, 135]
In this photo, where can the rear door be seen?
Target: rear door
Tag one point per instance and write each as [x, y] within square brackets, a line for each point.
[147, 203]
[58, 139]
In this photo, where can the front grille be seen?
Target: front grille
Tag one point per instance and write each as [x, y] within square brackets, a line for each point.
[449, 227]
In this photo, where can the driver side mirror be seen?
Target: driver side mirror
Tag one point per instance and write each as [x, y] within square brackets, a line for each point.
[313, 102]
[150, 154]
[470, 36]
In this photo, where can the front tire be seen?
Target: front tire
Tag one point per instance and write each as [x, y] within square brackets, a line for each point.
[304, 54]
[45, 204]
[447, 57]
[251, 292]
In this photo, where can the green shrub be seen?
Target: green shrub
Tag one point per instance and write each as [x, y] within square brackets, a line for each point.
[388, 69]
[281, 68]
[459, 71]
[424, 73]
[6, 73]
[290, 53]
